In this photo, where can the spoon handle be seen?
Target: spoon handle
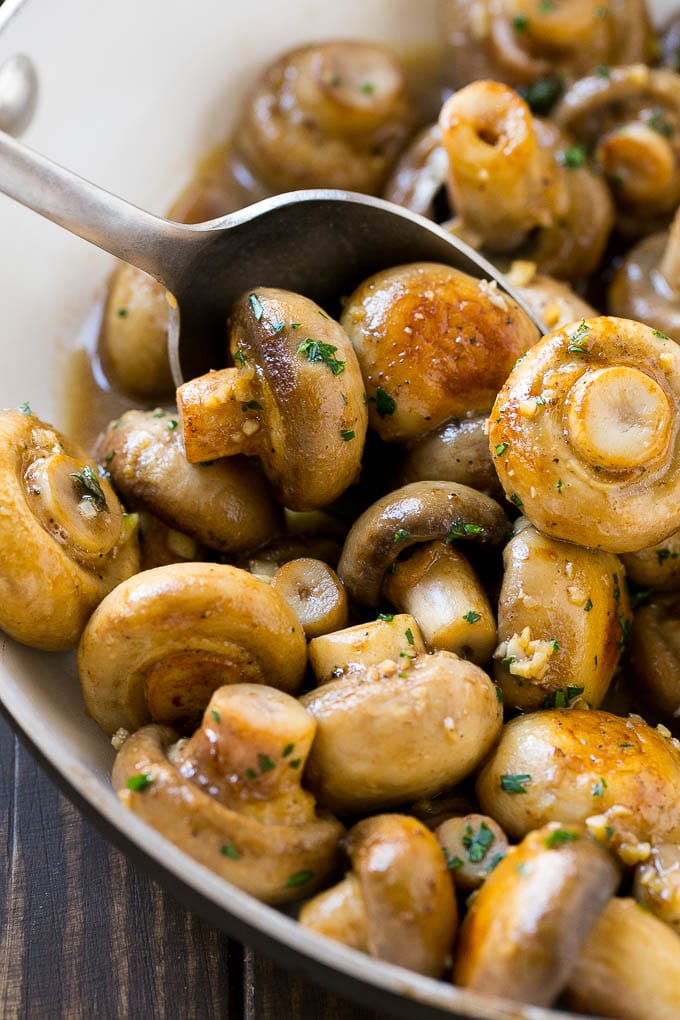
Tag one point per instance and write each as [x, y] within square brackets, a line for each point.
[133, 235]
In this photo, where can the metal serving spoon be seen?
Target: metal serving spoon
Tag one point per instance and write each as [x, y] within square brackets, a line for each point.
[318, 243]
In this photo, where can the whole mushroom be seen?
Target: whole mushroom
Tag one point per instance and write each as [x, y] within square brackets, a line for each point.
[646, 286]
[654, 654]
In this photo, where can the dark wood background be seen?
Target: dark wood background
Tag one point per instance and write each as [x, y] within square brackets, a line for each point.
[85, 935]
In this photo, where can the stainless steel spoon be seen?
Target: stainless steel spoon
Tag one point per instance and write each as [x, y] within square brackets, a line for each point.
[317, 243]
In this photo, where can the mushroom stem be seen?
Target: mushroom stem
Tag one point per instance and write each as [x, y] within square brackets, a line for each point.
[639, 161]
[315, 593]
[339, 913]
[221, 415]
[669, 265]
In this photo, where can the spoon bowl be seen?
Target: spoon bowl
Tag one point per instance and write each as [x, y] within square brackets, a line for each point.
[320, 243]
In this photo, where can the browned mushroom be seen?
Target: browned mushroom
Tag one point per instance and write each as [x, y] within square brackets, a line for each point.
[315, 593]
[552, 301]
[656, 567]
[457, 451]
[230, 795]
[296, 399]
[390, 638]
[473, 846]
[65, 539]
[397, 902]
[226, 504]
[420, 174]
[331, 115]
[654, 654]
[525, 928]
[646, 287]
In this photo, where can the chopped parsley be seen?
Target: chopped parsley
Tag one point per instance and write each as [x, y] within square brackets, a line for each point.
[90, 488]
[514, 498]
[229, 850]
[240, 358]
[140, 781]
[295, 763]
[559, 837]
[472, 616]
[386, 617]
[384, 403]
[278, 327]
[600, 787]
[588, 606]
[515, 783]
[576, 339]
[256, 305]
[573, 158]
[288, 750]
[215, 714]
[122, 313]
[461, 529]
[252, 405]
[664, 554]
[499, 694]
[251, 774]
[562, 697]
[408, 634]
[25, 408]
[401, 534]
[318, 350]
[299, 878]
[347, 434]
[507, 662]
[367, 89]
[559, 484]
[520, 22]
[172, 424]
[542, 94]
[477, 844]
[661, 336]
[453, 863]
[657, 122]
[265, 763]
[501, 448]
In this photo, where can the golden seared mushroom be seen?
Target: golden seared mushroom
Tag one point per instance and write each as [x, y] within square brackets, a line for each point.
[390, 638]
[473, 846]
[433, 343]
[65, 539]
[646, 286]
[133, 341]
[415, 513]
[163, 641]
[531, 42]
[437, 585]
[400, 730]
[315, 593]
[618, 776]
[331, 115]
[552, 301]
[397, 902]
[226, 504]
[630, 119]
[657, 567]
[230, 795]
[526, 926]
[518, 181]
[654, 654]
[457, 451]
[296, 400]
[629, 966]
[563, 617]
[586, 435]
[657, 883]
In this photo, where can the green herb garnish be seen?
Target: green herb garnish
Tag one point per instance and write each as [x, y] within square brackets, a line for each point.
[515, 783]
[461, 529]
[600, 787]
[140, 781]
[401, 534]
[256, 305]
[408, 634]
[229, 850]
[501, 448]
[386, 617]
[347, 434]
[478, 844]
[299, 878]
[559, 837]
[384, 403]
[91, 490]
[472, 616]
[265, 763]
[318, 350]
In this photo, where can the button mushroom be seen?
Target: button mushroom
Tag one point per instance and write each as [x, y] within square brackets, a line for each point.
[161, 642]
[457, 451]
[657, 567]
[657, 883]
[629, 966]
[296, 400]
[586, 435]
[331, 115]
[576, 766]
[525, 928]
[392, 637]
[65, 539]
[315, 593]
[563, 616]
[552, 301]
[433, 343]
[227, 505]
[230, 795]
[399, 731]
[654, 654]
[646, 286]
[473, 846]
[397, 903]
[419, 177]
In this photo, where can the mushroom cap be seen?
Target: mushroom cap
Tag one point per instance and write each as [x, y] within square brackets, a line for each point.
[417, 512]
[65, 539]
[653, 653]
[639, 291]
[433, 343]
[159, 645]
[457, 451]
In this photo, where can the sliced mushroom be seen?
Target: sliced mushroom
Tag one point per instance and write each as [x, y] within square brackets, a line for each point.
[163, 641]
[397, 902]
[629, 966]
[646, 287]
[399, 731]
[657, 883]
[433, 343]
[527, 924]
[457, 451]
[296, 400]
[65, 539]
[473, 846]
[390, 638]
[588, 429]
[419, 512]
[315, 593]
[515, 180]
[563, 617]
[576, 766]
[331, 115]
[133, 341]
[226, 505]
[654, 654]
[230, 795]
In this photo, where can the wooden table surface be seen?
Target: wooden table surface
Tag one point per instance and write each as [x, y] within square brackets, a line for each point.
[85, 935]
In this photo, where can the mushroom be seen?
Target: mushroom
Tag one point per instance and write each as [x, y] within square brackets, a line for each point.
[457, 451]
[330, 115]
[160, 545]
[618, 776]
[390, 638]
[657, 883]
[65, 539]
[433, 343]
[630, 119]
[563, 617]
[419, 177]
[527, 924]
[399, 731]
[552, 301]
[525, 41]
[473, 846]
[226, 505]
[315, 593]
[657, 567]
[629, 966]
[646, 286]
[397, 902]
[133, 341]
[586, 432]
[654, 654]
[419, 512]
[230, 795]
[517, 181]
[161, 643]
[296, 400]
